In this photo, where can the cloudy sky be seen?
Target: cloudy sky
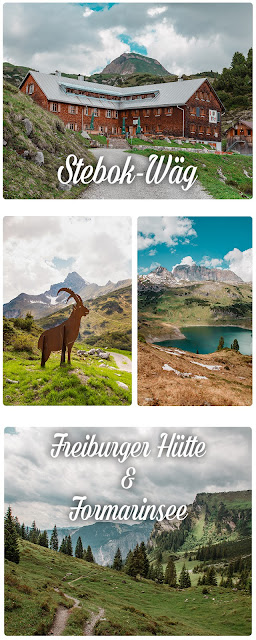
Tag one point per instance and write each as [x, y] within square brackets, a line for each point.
[214, 242]
[40, 251]
[83, 38]
[38, 486]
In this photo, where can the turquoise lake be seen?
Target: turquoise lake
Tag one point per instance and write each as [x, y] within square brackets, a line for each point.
[206, 339]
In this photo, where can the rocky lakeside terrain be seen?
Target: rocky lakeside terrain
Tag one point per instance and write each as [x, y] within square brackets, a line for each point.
[191, 296]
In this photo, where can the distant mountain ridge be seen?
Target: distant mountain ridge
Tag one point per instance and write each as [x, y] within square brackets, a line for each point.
[42, 304]
[187, 273]
[105, 537]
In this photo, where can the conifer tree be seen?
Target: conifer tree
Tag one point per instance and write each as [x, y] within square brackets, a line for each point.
[211, 578]
[151, 573]
[11, 545]
[34, 533]
[79, 548]
[235, 345]
[128, 561]
[184, 578]
[63, 546]
[118, 562]
[23, 532]
[43, 539]
[54, 541]
[159, 576]
[170, 576]
[143, 560]
[88, 555]
[69, 546]
[221, 344]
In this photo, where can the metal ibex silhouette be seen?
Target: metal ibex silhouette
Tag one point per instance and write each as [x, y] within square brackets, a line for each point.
[64, 335]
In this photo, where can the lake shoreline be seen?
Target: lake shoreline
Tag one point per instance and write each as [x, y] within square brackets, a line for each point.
[201, 338]
[176, 332]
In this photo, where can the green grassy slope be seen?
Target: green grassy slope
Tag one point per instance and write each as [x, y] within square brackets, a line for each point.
[236, 183]
[85, 381]
[213, 518]
[22, 177]
[130, 607]
[204, 303]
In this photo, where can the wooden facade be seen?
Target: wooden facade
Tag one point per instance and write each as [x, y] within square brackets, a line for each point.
[240, 135]
[191, 120]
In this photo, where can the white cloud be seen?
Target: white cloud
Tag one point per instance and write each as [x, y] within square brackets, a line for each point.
[211, 263]
[41, 488]
[88, 12]
[186, 260]
[184, 37]
[168, 230]
[240, 262]
[156, 11]
[153, 266]
[176, 51]
[152, 252]
[96, 244]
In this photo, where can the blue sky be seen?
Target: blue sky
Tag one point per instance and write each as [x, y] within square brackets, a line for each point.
[219, 242]
[84, 37]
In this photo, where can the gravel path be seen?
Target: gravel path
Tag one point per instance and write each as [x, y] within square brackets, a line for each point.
[61, 617]
[123, 363]
[89, 626]
[138, 189]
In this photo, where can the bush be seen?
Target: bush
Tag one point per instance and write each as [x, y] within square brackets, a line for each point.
[24, 323]
[22, 344]
[8, 330]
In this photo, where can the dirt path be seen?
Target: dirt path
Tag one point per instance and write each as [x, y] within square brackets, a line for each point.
[89, 626]
[61, 616]
[123, 362]
[138, 189]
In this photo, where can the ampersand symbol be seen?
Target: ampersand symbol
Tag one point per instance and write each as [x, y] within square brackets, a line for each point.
[127, 480]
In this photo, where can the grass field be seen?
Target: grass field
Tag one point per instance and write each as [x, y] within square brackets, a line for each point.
[84, 382]
[212, 167]
[163, 143]
[205, 303]
[130, 607]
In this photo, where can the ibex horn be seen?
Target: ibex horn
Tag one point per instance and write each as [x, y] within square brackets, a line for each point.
[72, 294]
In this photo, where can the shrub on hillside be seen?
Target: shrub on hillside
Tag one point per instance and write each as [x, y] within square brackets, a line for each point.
[23, 343]
[24, 323]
